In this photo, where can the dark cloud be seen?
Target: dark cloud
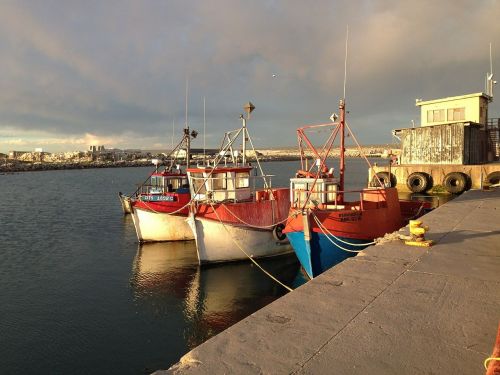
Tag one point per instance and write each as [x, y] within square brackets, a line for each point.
[116, 70]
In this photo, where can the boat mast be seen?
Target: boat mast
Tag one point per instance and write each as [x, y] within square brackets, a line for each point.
[342, 148]
[186, 131]
[249, 107]
[342, 125]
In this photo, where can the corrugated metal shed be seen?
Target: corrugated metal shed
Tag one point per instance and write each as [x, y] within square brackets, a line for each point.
[458, 143]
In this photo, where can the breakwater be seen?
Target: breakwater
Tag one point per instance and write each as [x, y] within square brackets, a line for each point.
[286, 154]
[23, 166]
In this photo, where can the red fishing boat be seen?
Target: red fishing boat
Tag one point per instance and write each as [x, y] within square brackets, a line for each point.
[230, 217]
[324, 226]
[159, 207]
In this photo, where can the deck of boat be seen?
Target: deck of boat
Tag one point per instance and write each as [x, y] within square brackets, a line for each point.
[394, 309]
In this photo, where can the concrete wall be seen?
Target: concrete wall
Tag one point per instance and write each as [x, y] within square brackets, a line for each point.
[476, 173]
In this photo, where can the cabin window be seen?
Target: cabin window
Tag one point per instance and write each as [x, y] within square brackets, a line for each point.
[331, 191]
[299, 193]
[219, 181]
[435, 115]
[157, 181]
[198, 183]
[456, 114]
[242, 180]
[172, 184]
[317, 193]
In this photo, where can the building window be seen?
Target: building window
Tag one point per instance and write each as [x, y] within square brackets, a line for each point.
[456, 114]
[435, 115]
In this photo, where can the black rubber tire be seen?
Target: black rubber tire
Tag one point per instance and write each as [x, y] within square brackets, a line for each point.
[278, 233]
[455, 182]
[388, 180]
[493, 178]
[418, 182]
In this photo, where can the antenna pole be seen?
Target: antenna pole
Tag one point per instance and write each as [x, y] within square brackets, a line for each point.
[204, 132]
[345, 61]
[173, 132]
[491, 62]
[342, 127]
[187, 136]
[244, 145]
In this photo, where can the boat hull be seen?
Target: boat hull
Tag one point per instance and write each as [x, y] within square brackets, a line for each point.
[224, 242]
[160, 226]
[323, 238]
[318, 254]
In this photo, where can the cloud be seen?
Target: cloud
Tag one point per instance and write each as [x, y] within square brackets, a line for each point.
[117, 69]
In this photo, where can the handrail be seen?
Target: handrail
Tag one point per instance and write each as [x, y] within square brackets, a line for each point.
[299, 200]
[201, 194]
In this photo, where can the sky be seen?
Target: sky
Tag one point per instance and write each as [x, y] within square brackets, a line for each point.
[114, 72]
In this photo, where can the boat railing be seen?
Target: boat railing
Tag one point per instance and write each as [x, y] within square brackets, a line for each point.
[147, 189]
[328, 199]
[220, 188]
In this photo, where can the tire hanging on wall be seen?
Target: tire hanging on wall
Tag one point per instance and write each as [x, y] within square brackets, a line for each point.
[418, 182]
[493, 178]
[387, 179]
[278, 233]
[455, 182]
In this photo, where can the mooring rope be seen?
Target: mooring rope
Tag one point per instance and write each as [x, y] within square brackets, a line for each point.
[251, 225]
[487, 360]
[167, 213]
[247, 255]
[327, 234]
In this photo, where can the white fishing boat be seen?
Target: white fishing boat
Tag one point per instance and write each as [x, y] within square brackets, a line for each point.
[231, 217]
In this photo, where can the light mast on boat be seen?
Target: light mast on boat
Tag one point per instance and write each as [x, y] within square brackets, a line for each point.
[342, 127]
[249, 107]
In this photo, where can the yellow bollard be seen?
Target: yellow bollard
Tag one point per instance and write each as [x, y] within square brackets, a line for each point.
[417, 233]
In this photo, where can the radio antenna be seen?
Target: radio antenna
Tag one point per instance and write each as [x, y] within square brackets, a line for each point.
[345, 61]
[489, 79]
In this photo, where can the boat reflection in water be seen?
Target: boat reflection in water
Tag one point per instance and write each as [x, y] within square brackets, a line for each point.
[167, 278]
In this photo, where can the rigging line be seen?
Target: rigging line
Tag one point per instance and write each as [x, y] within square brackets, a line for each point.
[171, 165]
[248, 256]
[363, 154]
[266, 185]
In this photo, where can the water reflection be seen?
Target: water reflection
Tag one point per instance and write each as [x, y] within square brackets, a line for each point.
[211, 298]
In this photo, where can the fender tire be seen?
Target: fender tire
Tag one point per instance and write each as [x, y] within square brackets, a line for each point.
[418, 182]
[493, 178]
[388, 180]
[278, 233]
[455, 182]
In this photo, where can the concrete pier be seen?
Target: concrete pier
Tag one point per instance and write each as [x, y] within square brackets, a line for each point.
[394, 309]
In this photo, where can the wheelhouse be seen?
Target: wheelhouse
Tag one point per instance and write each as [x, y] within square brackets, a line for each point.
[164, 184]
[323, 192]
[222, 184]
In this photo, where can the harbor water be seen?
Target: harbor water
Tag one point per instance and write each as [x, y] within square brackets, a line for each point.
[79, 295]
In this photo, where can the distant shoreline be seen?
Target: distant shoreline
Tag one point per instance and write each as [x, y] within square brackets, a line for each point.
[14, 166]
